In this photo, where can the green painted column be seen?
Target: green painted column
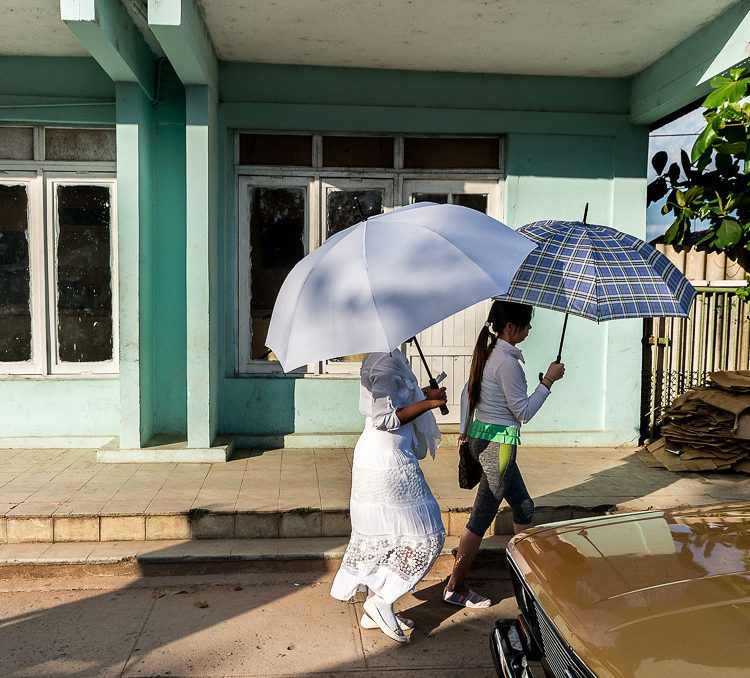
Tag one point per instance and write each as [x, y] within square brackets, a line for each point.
[201, 116]
[136, 284]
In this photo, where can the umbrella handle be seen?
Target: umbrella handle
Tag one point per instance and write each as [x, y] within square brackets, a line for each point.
[433, 384]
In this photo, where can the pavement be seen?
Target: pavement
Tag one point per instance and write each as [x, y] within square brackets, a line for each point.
[234, 625]
[224, 569]
[63, 496]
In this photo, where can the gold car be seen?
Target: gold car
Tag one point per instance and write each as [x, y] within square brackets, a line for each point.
[657, 594]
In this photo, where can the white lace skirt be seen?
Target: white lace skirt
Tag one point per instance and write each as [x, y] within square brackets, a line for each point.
[397, 532]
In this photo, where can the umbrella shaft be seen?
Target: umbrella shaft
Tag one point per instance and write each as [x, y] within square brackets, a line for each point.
[433, 383]
[562, 339]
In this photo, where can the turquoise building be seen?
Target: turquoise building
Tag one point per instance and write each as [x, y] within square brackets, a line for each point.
[164, 164]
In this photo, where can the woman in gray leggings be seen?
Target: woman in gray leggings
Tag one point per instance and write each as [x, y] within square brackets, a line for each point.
[494, 404]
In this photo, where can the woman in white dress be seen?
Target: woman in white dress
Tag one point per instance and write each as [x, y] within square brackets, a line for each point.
[397, 532]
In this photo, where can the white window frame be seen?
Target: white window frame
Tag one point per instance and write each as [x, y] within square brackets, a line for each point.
[459, 180]
[246, 364]
[57, 366]
[37, 292]
[474, 185]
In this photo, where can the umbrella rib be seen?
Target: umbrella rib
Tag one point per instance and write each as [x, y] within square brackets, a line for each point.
[297, 298]
[369, 282]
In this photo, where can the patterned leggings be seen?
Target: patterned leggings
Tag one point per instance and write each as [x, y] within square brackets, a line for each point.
[501, 479]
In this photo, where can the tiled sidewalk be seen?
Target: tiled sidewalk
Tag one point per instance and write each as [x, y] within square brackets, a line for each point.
[65, 495]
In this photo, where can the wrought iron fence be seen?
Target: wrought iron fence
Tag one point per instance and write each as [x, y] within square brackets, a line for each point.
[680, 353]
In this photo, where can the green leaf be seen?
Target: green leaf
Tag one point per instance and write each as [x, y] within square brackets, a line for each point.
[737, 73]
[731, 148]
[729, 233]
[656, 190]
[703, 143]
[724, 163]
[659, 161]
[706, 238]
[694, 193]
[674, 172]
[685, 162]
[725, 90]
[672, 231]
[679, 197]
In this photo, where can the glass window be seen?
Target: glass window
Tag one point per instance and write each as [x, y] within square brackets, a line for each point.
[342, 210]
[453, 153]
[277, 243]
[84, 273]
[357, 151]
[16, 143]
[439, 198]
[476, 201]
[80, 144]
[15, 284]
[275, 149]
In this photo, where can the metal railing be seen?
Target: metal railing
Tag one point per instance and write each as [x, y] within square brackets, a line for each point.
[679, 353]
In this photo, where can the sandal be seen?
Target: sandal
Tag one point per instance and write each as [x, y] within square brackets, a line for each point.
[368, 623]
[470, 599]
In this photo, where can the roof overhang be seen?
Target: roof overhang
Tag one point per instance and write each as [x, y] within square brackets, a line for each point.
[671, 48]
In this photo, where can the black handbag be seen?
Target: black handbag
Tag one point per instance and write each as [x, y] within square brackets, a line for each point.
[469, 469]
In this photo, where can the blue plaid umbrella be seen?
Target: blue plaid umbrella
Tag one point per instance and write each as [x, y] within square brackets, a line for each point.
[598, 273]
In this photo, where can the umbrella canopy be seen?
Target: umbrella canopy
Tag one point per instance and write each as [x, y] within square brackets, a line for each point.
[598, 273]
[378, 283]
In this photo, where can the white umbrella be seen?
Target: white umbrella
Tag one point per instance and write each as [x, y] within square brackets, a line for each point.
[376, 284]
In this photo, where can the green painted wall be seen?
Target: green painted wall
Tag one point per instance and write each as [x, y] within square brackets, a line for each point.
[62, 407]
[170, 408]
[568, 142]
[43, 90]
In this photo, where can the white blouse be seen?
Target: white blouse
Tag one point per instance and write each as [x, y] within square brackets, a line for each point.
[387, 384]
[503, 398]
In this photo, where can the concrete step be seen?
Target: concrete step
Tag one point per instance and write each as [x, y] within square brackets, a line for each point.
[156, 558]
[199, 524]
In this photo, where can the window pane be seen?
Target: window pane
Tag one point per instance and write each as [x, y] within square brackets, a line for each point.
[277, 231]
[451, 153]
[15, 291]
[342, 211]
[475, 201]
[16, 143]
[276, 149]
[357, 151]
[84, 274]
[439, 198]
[80, 144]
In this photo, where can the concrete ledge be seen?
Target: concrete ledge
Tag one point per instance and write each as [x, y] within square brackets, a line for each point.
[53, 442]
[298, 441]
[245, 526]
[161, 451]
[183, 551]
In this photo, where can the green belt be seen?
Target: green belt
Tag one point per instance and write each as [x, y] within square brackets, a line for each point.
[509, 435]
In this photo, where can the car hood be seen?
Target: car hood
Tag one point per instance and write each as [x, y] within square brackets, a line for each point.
[658, 593]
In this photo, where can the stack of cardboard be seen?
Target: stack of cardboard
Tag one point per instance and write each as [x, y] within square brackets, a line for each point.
[707, 428]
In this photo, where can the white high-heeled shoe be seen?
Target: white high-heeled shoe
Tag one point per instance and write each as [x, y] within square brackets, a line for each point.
[366, 622]
[372, 611]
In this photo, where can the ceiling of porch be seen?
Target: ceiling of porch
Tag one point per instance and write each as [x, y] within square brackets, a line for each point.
[594, 38]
